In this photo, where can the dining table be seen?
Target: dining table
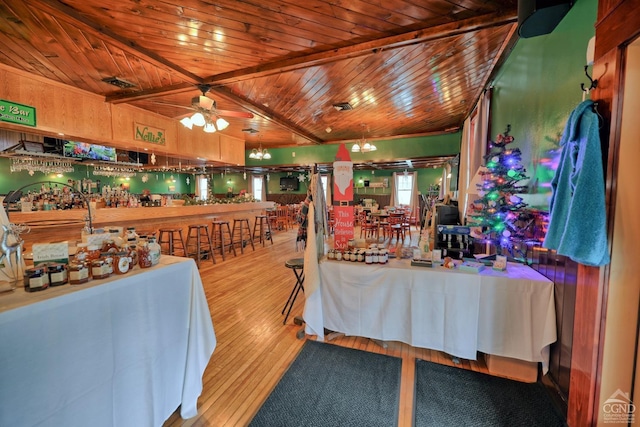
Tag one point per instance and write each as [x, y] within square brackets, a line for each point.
[127, 350]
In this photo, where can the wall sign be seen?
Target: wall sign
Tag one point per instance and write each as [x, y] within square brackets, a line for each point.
[343, 197]
[149, 134]
[17, 113]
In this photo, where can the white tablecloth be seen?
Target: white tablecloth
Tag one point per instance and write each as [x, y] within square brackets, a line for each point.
[508, 314]
[123, 351]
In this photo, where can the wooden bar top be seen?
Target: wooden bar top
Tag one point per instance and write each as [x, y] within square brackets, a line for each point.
[61, 225]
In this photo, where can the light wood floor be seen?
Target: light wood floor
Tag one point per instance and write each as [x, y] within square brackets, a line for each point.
[246, 295]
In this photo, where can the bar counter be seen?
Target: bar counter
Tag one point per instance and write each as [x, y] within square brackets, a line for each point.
[60, 225]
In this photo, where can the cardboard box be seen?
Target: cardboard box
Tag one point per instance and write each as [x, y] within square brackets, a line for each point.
[514, 369]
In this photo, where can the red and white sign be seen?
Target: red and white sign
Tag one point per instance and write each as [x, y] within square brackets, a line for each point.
[343, 197]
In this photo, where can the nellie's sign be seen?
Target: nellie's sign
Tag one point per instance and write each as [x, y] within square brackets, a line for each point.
[149, 134]
[17, 113]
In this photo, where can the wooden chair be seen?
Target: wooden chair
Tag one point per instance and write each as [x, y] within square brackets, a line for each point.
[282, 218]
[368, 227]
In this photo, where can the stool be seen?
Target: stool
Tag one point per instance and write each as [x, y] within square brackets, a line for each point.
[172, 238]
[198, 236]
[218, 232]
[297, 265]
[261, 225]
[240, 227]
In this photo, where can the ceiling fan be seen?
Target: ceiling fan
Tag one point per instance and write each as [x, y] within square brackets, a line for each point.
[206, 113]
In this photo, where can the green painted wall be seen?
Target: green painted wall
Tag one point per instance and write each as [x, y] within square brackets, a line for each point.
[158, 182]
[437, 145]
[536, 90]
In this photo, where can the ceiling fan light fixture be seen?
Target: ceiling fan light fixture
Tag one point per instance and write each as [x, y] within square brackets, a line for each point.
[186, 122]
[221, 123]
[355, 148]
[198, 119]
[209, 128]
[266, 155]
[253, 154]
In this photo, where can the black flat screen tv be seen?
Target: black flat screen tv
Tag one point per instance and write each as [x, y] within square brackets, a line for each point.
[289, 183]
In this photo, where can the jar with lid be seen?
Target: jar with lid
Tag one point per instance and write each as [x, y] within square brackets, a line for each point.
[131, 235]
[57, 274]
[99, 269]
[81, 252]
[78, 273]
[144, 257]
[368, 257]
[109, 245]
[132, 251]
[354, 255]
[338, 255]
[36, 279]
[383, 256]
[107, 257]
[360, 256]
[331, 254]
[121, 262]
[374, 256]
[154, 251]
[93, 253]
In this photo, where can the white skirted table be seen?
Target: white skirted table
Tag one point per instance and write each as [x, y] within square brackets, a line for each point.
[509, 314]
[123, 351]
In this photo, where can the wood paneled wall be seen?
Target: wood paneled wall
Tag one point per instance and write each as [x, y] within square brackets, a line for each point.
[62, 109]
[563, 272]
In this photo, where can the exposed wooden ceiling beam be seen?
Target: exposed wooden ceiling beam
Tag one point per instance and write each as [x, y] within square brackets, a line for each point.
[269, 115]
[61, 11]
[434, 33]
[423, 35]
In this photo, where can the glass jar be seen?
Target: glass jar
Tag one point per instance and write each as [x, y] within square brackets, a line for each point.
[57, 274]
[133, 254]
[331, 254]
[144, 256]
[374, 256]
[109, 245]
[35, 279]
[121, 262]
[99, 269]
[81, 252]
[107, 257]
[368, 259]
[78, 273]
[154, 251]
[93, 253]
[338, 255]
[383, 256]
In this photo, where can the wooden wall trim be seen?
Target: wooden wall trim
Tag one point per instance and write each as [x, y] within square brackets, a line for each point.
[618, 23]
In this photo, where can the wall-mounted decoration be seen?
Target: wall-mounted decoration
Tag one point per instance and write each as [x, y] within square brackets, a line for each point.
[149, 134]
[13, 112]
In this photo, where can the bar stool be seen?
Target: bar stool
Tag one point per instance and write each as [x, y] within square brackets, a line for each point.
[198, 236]
[219, 230]
[172, 238]
[261, 226]
[240, 227]
[297, 265]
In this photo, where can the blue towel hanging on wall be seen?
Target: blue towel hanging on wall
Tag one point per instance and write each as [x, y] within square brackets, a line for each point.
[577, 215]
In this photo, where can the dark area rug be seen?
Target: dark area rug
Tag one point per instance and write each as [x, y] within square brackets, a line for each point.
[449, 396]
[328, 385]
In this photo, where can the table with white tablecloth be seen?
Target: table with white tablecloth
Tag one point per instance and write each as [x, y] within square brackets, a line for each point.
[122, 351]
[504, 313]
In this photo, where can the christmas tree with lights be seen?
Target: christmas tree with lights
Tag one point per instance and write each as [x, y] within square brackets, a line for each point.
[499, 211]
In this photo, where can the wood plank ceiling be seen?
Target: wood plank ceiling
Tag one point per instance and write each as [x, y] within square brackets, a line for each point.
[406, 67]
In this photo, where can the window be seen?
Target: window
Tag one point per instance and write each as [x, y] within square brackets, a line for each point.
[203, 188]
[404, 186]
[325, 186]
[256, 187]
